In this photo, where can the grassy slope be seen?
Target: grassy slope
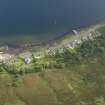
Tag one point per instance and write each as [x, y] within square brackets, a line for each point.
[82, 84]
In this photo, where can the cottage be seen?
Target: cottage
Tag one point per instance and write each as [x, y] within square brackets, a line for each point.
[75, 32]
[27, 60]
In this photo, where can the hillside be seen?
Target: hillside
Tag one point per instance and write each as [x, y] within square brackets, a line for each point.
[73, 76]
[79, 85]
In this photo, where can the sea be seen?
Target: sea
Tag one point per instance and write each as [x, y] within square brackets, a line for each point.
[35, 21]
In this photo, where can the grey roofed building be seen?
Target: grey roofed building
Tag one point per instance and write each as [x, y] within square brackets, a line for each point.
[27, 60]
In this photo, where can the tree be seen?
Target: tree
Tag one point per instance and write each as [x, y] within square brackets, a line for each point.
[100, 100]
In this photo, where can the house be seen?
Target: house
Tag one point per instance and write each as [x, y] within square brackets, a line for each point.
[70, 45]
[27, 60]
[75, 32]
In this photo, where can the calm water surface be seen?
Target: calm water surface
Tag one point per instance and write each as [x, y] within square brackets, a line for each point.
[38, 20]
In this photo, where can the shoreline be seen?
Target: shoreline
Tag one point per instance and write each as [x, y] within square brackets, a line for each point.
[67, 39]
[18, 48]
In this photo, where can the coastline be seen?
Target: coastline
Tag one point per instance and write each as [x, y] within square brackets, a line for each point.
[16, 48]
[11, 55]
